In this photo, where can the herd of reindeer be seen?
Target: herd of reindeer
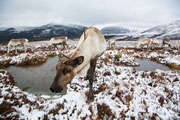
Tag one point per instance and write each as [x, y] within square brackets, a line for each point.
[24, 42]
[82, 60]
[55, 41]
[154, 42]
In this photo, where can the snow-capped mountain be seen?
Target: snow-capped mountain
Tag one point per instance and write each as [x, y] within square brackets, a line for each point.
[114, 30]
[43, 32]
[166, 31]
[170, 28]
[169, 31]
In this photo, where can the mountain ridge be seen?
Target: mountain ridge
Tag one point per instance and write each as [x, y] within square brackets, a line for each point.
[165, 31]
[44, 32]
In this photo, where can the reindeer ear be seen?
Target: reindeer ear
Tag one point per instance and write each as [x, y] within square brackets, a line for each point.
[79, 60]
[60, 56]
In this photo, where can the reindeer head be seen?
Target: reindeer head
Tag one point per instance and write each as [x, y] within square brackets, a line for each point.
[66, 70]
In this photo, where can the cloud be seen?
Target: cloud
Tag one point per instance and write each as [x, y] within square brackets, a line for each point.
[137, 13]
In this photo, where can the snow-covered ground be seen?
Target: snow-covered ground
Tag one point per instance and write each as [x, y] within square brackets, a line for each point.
[120, 92]
[168, 57]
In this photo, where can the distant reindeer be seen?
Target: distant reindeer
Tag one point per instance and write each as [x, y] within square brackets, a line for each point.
[58, 41]
[18, 42]
[154, 42]
[143, 42]
[111, 43]
[168, 42]
[178, 44]
[82, 61]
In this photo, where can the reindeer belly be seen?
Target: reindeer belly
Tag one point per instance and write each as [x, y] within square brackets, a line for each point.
[15, 43]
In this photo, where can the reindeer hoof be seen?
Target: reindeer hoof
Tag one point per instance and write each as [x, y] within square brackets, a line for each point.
[91, 97]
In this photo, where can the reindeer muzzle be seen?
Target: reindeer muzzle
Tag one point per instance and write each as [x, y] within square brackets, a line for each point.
[55, 89]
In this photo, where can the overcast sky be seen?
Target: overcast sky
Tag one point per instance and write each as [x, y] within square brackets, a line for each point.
[126, 13]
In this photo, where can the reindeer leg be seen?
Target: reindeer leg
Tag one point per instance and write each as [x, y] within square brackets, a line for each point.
[50, 47]
[67, 45]
[91, 78]
[54, 47]
[8, 49]
[25, 48]
[15, 50]
[63, 46]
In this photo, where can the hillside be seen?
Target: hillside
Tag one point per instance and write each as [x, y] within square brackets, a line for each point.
[169, 31]
[43, 32]
[166, 31]
[114, 30]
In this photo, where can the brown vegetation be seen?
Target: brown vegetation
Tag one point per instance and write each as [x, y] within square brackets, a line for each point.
[117, 56]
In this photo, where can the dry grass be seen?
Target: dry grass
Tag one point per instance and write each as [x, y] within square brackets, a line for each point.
[104, 112]
[107, 73]
[5, 63]
[52, 54]
[17, 99]
[117, 56]
[174, 66]
[55, 111]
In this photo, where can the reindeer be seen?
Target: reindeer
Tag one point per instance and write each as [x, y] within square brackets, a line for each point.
[168, 42]
[111, 43]
[58, 41]
[82, 61]
[154, 42]
[143, 42]
[17, 42]
[178, 45]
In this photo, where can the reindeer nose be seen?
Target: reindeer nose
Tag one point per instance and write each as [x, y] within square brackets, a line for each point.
[51, 89]
[56, 89]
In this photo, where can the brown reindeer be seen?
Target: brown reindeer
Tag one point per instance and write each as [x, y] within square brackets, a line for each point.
[81, 61]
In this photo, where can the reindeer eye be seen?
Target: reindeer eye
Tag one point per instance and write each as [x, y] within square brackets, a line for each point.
[66, 71]
[66, 63]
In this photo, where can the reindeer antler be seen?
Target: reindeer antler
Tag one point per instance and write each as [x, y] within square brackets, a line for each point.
[61, 54]
[76, 49]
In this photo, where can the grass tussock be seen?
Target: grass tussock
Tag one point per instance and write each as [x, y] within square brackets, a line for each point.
[117, 56]
[174, 66]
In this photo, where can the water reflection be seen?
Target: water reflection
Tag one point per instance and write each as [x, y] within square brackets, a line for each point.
[147, 65]
[35, 79]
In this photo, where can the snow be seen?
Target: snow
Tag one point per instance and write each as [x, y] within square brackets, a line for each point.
[120, 91]
[164, 57]
[169, 31]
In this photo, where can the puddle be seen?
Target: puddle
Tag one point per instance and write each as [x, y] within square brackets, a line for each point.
[147, 65]
[36, 79]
